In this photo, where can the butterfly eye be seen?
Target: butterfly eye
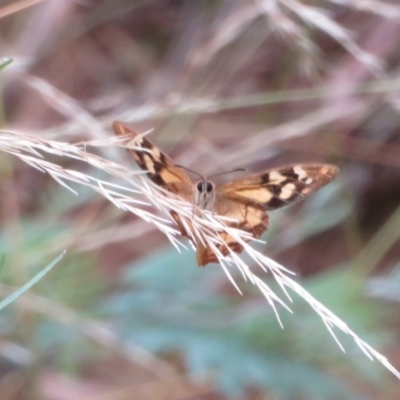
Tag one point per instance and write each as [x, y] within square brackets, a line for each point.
[200, 187]
[209, 187]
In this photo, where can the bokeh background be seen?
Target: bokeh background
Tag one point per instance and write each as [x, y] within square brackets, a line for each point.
[224, 84]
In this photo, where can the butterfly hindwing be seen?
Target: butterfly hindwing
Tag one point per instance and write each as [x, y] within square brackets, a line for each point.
[244, 216]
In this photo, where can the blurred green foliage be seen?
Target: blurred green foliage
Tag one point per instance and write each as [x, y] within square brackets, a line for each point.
[169, 305]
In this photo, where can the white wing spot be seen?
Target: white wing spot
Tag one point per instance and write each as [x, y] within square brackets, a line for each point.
[309, 181]
[300, 172]
[276, 177]
[287, 191]
[149, 163]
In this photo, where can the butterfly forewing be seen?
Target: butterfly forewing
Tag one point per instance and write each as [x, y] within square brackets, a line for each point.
[279, 187]
[160, 168]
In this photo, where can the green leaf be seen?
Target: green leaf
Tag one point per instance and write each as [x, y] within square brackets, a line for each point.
[4, 62]
[18, 293]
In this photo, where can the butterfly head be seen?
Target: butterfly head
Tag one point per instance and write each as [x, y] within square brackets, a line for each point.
[204, 194]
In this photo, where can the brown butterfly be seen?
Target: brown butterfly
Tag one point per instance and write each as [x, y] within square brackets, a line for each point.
[245, 201]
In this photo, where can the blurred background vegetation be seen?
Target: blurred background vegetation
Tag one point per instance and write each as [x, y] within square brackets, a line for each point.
[225, 84]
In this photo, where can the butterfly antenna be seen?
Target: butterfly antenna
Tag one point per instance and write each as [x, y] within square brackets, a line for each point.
[193, 172]
[196, 173]
[228, 172]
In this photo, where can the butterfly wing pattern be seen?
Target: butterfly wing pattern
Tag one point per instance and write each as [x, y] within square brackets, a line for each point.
[244, 201]
[160, 168]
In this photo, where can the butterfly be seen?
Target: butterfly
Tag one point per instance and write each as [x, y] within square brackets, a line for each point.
[244, 201]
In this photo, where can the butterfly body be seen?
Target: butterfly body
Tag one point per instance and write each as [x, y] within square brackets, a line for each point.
[204, 195]
[244, 201]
